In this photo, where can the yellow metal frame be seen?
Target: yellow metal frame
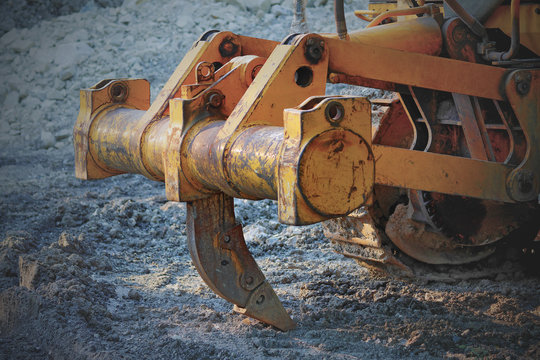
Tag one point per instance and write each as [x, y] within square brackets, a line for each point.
[260, 101]
[528, 23]
[261, 127]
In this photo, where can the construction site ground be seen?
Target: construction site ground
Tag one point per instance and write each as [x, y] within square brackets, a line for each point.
[101, 270]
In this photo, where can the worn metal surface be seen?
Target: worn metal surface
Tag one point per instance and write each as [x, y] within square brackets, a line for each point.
[415, 69]
[442, 173]
[523, 92]
[219, 253]
[426, 9]
[327, 165]
[475, 142]
[402, 36]
[251, 162]
[528, 24]
[95, 101]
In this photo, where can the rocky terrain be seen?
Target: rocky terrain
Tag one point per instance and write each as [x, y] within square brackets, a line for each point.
[101, 270]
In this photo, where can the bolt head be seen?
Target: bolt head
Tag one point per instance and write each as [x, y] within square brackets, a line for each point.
[522, 185]
[459, 34]
[523, 87]
[228, 47]
[314, 49]
[215, 100]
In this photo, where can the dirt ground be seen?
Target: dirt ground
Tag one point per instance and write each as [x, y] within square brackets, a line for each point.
[101, 270]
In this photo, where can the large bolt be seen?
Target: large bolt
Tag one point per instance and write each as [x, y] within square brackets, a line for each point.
[522, 185]
[248, 282]
[215, 100]
[523, 87]
[205, 71]
[523, 83]
[314, 50]
[228, 48]
[459, 34]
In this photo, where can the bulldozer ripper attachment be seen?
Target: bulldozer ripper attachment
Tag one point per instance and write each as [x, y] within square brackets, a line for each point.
[225, 136]
[219, 252]
[247, 118]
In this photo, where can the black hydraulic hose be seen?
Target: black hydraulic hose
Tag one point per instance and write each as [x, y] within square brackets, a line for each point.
[341, 25]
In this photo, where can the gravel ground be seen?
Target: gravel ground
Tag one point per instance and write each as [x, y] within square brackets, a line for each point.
[100, 269]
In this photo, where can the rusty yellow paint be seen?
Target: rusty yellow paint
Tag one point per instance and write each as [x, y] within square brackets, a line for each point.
[136, 148]
[381, 7]
[111, 137]
[285, 80]
[95, 102]
[196, 156]
[420, 70]
[261, 163]
[259, 126]
[184, 72]
[377, 8]
[524, 182]
[401, 36]
[274, 88]
[249, 101]
[326, 167]
[235, 80]
[529, 24]
[404, 13]
[178, 185]
[447, 174]
[251, 163]
[128, 141]
[342, 152]
[197, 153]
[154, 141]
